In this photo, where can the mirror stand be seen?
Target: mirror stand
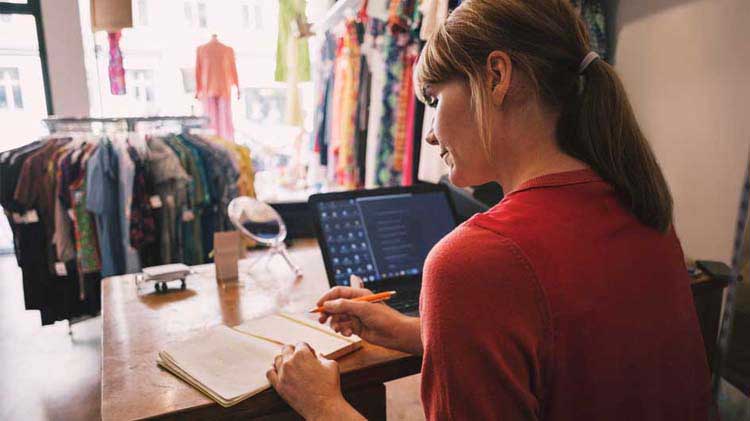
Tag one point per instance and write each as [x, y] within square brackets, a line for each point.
[277, 249]
[260, 222]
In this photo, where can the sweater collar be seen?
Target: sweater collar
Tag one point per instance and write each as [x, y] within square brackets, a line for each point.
[558, 179]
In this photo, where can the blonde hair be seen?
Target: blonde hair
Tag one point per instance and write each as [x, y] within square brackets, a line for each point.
[546, 41]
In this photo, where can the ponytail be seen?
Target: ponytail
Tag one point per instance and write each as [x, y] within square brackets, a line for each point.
[599, 128]
[546, 41]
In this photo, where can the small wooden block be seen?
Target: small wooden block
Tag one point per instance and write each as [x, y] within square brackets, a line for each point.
[226, 255]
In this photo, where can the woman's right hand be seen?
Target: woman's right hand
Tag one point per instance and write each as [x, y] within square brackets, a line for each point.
[376, 323]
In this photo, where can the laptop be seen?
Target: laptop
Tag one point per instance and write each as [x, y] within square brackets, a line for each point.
[383, 236]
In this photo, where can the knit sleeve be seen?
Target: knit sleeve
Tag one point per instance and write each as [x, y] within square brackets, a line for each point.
[484, 330]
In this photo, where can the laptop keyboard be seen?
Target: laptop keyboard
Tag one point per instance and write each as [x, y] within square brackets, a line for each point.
[405, 301]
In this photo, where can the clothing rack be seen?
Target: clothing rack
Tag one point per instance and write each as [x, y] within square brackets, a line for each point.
[61, 252]
[382, 148]
[53, 122]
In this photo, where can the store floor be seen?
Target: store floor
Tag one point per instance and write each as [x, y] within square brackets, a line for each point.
[50, 375]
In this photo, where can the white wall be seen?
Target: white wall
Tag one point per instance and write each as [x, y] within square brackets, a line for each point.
[686, 67]
[67, 72]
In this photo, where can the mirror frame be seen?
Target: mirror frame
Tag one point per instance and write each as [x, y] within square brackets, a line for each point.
[239, 203]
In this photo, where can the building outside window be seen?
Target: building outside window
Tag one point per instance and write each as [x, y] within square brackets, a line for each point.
[188, 9]
[11, 97]
[202, 21]
[252, 16]
[195, 14]
[140, 12]
[258, 15]
[265, 105]
[140, 84]
[22, 101]
[246, 16]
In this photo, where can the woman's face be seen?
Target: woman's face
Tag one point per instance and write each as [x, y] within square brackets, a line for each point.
[455, 131]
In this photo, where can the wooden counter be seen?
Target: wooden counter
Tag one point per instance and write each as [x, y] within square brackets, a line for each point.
[137, 325]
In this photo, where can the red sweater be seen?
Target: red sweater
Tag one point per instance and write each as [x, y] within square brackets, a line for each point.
[557, 304]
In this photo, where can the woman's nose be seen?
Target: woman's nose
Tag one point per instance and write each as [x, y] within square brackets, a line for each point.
[431, 138]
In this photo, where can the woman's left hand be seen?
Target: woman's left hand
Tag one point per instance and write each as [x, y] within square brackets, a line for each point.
[308, 383]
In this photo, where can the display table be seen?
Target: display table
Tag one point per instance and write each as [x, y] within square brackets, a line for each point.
[138, 323]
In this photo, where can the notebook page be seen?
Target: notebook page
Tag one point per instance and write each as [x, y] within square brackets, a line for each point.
[228, 363]
[289, 330]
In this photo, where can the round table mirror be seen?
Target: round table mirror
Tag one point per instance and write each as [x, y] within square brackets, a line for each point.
[260, 222]
[257, 220]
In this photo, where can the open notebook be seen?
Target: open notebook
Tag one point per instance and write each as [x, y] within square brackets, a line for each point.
[229, 364]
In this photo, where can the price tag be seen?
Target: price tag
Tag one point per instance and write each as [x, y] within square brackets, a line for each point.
[188, 215]
[155, 201]
[31, 217]
[77, 197]
[60, 269]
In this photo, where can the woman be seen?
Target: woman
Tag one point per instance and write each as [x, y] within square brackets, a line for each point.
[569, 300]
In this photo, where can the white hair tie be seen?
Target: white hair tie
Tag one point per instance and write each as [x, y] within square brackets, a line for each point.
[590, 57]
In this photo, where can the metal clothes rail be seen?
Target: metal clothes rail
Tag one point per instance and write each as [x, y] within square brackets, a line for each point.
[54, 122]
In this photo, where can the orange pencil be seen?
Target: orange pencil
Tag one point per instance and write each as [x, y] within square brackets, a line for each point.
[374, 298]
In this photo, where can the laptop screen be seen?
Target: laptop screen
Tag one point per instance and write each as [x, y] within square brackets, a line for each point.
[381, 237]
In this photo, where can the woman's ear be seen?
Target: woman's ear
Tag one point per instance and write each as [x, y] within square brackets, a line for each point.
[499, 70]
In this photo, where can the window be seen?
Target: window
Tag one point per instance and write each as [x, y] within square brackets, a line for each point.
[195, 14]
[11, 97]
[202, 14]
[22, 98]
[252, 16]
[188, 7]
[141, 12]
[160, 79]
[258, 16]
[265, 105]
[140, 84]
[188, 79]
[246, 16]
